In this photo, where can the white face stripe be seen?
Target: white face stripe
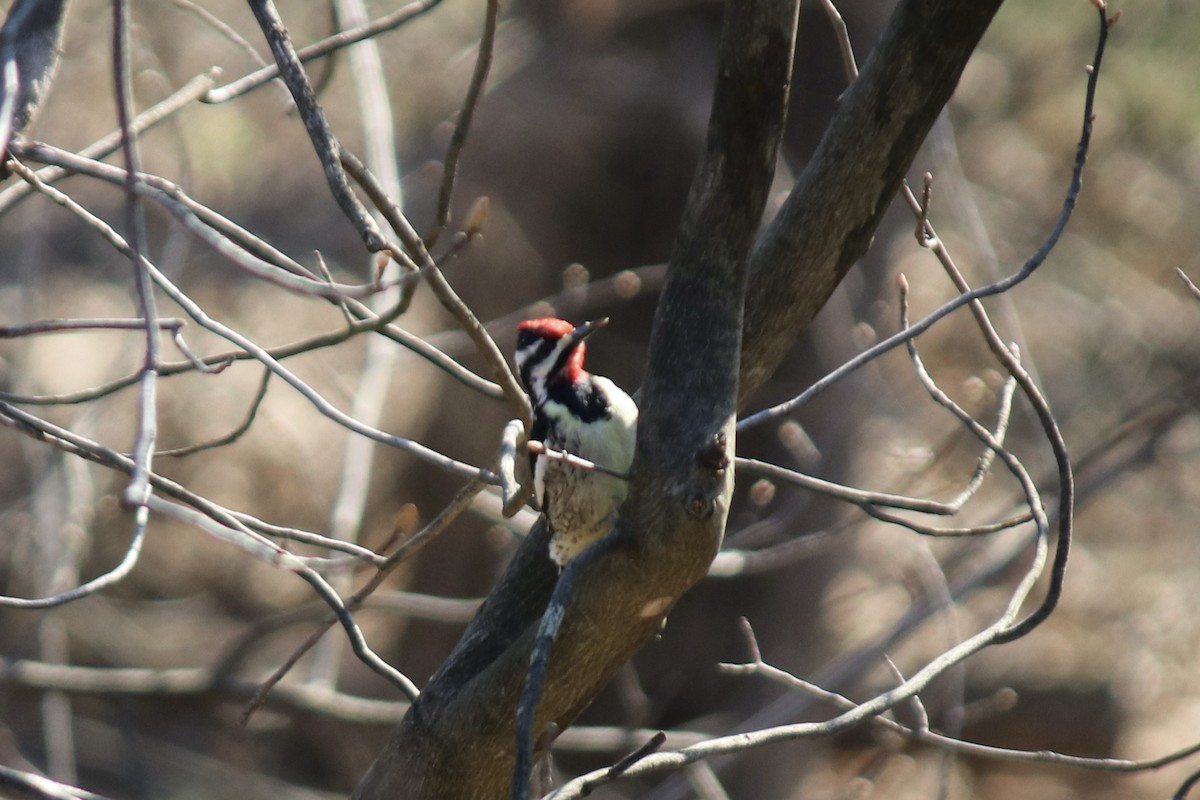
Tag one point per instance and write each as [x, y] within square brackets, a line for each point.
[536, 360]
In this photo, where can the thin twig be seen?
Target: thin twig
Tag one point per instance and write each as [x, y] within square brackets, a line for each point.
[324, 47]
[622, 286]
[842, 36]
[439, 524]
[195, 681]
[652, 745]
[362, 554]
[379, 358]
[1186, 787]
[137, 492]
[226, 31]
[871, 501]
[994, 288]
[736, 562]
[76, 325]
[235, 434]
[570, 459]
[483, 63]
[848, 493]
[110, 578]
[367, 322]
[93, 451]
[1008, 359]
[256, 351]
[196, 361]
[319, 131]
[484, 344]
[226, 526]
[928, 736]
[1015, 467]
[234, 243]
[148, 119]
[41, 788]
[1192, 287]
[966, 531]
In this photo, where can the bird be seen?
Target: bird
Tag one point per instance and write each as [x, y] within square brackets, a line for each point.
[581, 414]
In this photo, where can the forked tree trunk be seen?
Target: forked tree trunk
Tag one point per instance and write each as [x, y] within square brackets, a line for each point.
[457, 741]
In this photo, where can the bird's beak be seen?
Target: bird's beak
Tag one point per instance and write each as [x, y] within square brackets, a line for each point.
[587, 329]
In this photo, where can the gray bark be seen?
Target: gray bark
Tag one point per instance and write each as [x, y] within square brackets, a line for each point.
[30, 42]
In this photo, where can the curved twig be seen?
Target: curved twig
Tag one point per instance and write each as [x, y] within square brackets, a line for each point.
[483, 63]
[319, 130]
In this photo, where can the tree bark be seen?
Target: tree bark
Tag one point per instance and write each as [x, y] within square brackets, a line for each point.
[833, 210]
[457, 741]
[30, 49]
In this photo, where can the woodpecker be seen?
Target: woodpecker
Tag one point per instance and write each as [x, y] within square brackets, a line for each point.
[582, 414]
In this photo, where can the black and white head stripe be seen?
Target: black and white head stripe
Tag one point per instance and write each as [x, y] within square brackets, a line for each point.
[551, 349]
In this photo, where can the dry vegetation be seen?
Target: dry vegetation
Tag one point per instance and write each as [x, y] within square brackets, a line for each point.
[585, 144]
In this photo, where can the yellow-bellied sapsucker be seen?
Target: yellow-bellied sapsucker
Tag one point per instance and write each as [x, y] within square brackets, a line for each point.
[582, 414]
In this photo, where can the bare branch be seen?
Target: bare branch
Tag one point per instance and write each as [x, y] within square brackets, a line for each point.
[1186, 787]
[241, 248]
[367, 321]
[577, 462]
[319, 131]
[516, 491]
[75, 325]
[1008, 357]
[375, 373]
[436, 526]
[1192, 287]
[303, 698]
[148, 119]
[114, 576]
[323, 48]
[881, 121]
[734, 562]
[97, 453]
[232, 436]
[137, 493]
[1003, 629]
[842, 36]
[228, 528]
[259, 353]
[484, 344]
[871, 501]
[686, 412]
[226, 31]
[40, 788]
[362, 554]
[928, 736]
[1006, 626]
[981, 529]
[194, 681]
[483, 63]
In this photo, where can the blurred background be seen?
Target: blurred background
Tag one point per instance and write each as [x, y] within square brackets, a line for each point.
[584, 143]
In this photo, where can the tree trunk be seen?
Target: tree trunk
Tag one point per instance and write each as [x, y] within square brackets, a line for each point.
[457, 741]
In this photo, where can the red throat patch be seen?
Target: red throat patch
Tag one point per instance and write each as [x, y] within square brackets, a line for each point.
[573, 370]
